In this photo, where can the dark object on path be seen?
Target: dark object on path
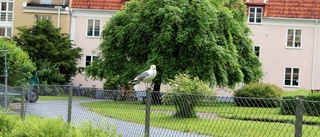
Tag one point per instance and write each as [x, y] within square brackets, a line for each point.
[33, 93]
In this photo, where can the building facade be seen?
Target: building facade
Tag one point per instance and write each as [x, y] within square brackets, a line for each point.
[286, 39]
[26, 12]
[87, 21]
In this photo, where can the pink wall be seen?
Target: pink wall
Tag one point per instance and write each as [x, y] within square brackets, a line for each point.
[89, 46]
[275, 56]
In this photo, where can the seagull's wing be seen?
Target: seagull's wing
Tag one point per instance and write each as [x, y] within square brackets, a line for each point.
[142, 76]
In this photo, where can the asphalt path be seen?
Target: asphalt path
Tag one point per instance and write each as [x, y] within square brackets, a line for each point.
[79, 114]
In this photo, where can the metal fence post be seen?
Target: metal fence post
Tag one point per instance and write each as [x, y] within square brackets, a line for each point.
[69, 104]
[22, 109]
[148, 104]
[299, 116]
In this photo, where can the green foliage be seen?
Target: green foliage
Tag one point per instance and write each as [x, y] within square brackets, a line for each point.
[51, 91]
[186, 93]
[205, 38]
[288, 105]
[50, 73]
[47, 46]
[13, 126]
[312, 105]
[6, 124]
[19, 63]
[270, 92]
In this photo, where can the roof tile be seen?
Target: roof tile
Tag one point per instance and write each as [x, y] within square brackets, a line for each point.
[98, 4]
[307, 9]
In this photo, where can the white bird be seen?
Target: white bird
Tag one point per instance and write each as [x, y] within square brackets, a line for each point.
[146, 76]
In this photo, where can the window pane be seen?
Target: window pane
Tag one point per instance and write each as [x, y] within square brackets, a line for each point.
[252, 10]
[251, 19]
[3, 16]
[288, 70]
[88, 60]
[287, 82]
[287, 79]
[9, 32]
[97, 28]
[259, 10]
[3, 6]
[90, 28]
[298, 38]
[295, 71]
[258, 20]
[2, 31]
[9, 16]
[257, 51]
[290, 38]
[10, 6]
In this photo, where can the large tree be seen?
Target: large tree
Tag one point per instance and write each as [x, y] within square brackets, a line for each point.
[51, 50]
[204, 38]
[19, 64]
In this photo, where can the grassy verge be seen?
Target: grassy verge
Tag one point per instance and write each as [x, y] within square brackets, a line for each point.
[61, 97]
[223, 119]
[34, 126]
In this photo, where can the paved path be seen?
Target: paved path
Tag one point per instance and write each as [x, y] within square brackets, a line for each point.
[80, 114]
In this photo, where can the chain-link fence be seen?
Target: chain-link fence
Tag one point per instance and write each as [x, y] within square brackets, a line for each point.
[141, 113]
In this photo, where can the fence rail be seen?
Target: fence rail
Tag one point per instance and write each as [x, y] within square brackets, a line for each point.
[134, 113]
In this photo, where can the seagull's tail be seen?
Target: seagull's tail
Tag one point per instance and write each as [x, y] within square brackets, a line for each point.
[134, 82]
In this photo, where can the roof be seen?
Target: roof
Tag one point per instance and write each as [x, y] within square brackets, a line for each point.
[98, 4]
[255, 2]
[305, 9]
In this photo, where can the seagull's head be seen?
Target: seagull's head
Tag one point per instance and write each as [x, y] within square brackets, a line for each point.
[153, 67]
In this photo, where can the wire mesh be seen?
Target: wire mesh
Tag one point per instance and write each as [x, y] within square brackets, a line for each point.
[177, 114]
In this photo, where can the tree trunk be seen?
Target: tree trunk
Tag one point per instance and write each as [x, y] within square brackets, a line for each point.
[155, 95]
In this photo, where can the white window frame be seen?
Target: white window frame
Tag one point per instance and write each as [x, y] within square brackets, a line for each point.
[294, 38]
[91, 59]
[7, 32]
[93, 27]
[255, 15]
[291, 77]
[254, 49]
[8, 13]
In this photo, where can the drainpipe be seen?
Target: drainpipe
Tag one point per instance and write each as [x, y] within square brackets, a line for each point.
[59, 8]
[314, 54]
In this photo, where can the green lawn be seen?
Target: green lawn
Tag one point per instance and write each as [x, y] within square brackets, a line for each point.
[228, 120]
[61, 97]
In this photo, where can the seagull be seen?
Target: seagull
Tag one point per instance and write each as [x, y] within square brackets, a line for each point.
[146, 76]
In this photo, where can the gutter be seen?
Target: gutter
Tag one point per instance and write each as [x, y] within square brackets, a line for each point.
[314, 54]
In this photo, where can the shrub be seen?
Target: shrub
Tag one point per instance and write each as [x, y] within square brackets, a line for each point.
[185, 94]
[13, 126]
[258, 95]
[6, 124]
[288, 105]
[312, 104]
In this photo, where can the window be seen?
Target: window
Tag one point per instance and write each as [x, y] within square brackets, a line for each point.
[5, 32]
[41, 17]
[6, 11]
[255, 15]
[89, 59]
[294, 38]
[93, 29]
[291, 76]
[257, 51]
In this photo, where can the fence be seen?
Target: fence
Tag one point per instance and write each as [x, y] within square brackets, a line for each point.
[133, 113]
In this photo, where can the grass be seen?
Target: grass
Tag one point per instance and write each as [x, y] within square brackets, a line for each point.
[60, 97]
[302, 92]
[230, 120]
